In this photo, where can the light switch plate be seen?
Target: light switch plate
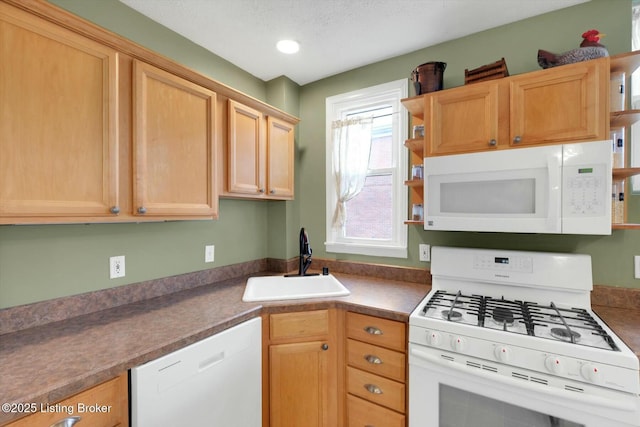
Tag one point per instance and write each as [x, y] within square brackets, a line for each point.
[209, 253]
[636, 262]
[116, 267]
[425, 252]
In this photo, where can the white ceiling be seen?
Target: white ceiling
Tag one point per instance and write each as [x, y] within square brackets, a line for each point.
[334, 35]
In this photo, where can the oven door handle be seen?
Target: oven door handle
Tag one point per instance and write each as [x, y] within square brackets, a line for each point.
[564, 394]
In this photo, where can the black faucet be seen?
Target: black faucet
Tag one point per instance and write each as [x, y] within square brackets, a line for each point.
[305, 256]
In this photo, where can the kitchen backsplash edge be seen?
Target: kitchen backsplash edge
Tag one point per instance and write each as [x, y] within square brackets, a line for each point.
[13, 319]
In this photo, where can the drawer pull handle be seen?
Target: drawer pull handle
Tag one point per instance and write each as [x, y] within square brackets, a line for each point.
[374, 360]
[373, 389]
[67, 422]
[373, 330]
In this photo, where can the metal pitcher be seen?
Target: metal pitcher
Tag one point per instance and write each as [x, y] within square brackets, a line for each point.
[427, 77]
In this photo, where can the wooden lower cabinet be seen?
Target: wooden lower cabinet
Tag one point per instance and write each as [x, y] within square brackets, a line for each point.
[376, 373]
[334, 368]
[301, 369]
[299, 384]
[362, 413]
[105, 405]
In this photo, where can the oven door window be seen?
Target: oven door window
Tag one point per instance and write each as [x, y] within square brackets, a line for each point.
[460, 408]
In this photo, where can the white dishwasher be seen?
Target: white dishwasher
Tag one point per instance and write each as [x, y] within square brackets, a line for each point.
[213, 382]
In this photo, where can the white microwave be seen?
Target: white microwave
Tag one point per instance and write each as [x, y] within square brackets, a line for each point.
[560, 189]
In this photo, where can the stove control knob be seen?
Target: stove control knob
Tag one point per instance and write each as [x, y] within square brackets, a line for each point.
[502, 353]
[555, 364]
[434, 338]
[458, 343]
[591, 373]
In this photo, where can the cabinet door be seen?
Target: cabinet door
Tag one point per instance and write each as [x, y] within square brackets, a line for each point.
[58, 130]
[105, 405]
[246, 150]
[299, 385]
[463, 119]
[560, 104]
[174, 147]
[280, 150]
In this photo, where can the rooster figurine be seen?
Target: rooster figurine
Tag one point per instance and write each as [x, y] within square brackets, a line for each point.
[590, 48]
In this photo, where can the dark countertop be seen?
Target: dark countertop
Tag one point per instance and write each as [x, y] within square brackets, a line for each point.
[624, 322]
[45, 364]
[48, 363]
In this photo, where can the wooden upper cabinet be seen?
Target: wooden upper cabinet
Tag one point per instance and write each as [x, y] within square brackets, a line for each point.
[464, 119]
[567, 103]
[246, 150]
[58, 128]
[260, 154]
[281, 153]
[173, 146]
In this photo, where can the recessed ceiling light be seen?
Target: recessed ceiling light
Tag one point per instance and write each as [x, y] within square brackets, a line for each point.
[288, 46]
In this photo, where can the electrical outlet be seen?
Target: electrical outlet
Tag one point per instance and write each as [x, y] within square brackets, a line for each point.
[116, 267]
[425, 252]
[209, 252]
[636, 262]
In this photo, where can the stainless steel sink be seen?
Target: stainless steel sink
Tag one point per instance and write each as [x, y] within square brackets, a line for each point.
[272, 288]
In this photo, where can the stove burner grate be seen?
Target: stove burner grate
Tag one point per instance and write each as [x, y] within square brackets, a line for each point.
[565, 335]
[502, 316]
[452, 315]
[522, 317]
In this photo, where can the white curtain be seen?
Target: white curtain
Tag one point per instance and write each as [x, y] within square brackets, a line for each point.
[351, 140]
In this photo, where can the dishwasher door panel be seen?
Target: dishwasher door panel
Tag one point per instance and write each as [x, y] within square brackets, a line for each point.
[213, 382]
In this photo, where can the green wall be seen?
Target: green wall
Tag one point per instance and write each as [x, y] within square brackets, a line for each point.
[518, 44]
[48, 261]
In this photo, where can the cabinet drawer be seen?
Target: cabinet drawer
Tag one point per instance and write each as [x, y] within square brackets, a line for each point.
[112, 398]
[377, 360]
[361, 413]
[387, 333]
[376, 389]
[299, 324]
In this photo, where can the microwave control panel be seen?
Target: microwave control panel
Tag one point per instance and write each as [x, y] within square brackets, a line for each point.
[585, 193]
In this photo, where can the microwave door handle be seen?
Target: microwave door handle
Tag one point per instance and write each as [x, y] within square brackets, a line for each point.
[554, 202]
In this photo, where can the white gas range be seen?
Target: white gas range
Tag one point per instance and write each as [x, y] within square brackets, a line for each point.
[508, 338]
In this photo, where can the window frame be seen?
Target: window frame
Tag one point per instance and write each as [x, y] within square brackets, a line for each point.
[337, 108]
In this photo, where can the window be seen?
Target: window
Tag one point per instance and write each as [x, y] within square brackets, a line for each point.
[366, 167]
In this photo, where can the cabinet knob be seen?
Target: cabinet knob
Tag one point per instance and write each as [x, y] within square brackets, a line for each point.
[67, 422]
[261, 190]
[373, 330]
[272, 191]
[373, 389]
[115, 210]
[493, 142]
[374, 360]
[325, 346]
[142, 210]
[517, 139]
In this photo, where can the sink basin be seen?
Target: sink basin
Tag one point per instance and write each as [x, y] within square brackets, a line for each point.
[271, 288]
